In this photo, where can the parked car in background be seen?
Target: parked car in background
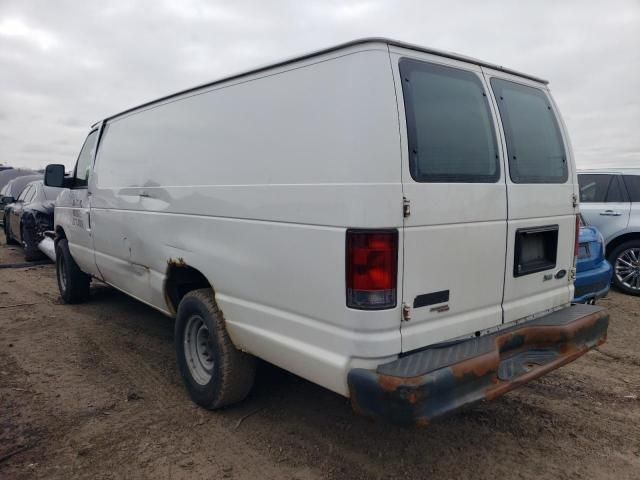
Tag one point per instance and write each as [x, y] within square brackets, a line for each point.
[30, 216]
[13, 188]
[593, 271]
[11, 173]
[610, 201]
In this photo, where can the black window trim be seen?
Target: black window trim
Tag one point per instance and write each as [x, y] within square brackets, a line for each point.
[409, 115]
[75, 169]
[506, 132]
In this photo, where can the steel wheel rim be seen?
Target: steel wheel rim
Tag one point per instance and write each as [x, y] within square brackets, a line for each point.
[627, 268]
[62, 274]
[197, 350]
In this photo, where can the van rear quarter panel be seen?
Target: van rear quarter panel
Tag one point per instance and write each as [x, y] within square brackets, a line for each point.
[254, 182]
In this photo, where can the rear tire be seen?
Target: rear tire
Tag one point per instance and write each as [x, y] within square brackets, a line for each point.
[72, 282]
[214, 371]
[625, 259]
[31, 250]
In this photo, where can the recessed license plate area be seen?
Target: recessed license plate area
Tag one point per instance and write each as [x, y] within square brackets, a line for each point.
[536, 250]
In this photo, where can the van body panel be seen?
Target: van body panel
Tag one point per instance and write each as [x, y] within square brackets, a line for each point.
[454, 237]
[261, 210]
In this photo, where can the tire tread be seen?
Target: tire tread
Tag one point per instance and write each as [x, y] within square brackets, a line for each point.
[237, 371]
[78, 282]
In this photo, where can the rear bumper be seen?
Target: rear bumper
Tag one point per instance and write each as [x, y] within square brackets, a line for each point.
[594, 283]
[426, 384]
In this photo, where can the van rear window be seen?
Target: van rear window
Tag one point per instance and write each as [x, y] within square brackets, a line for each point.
[449, 125]
[534, 143]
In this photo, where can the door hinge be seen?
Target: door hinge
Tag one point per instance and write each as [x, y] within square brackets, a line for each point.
[572, 274]
[406, 312]
[406, 207]
[574, 197]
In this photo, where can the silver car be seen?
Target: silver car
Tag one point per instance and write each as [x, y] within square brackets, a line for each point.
[610, 201]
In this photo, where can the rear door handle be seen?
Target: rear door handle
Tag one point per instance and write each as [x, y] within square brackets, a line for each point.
[610, 213]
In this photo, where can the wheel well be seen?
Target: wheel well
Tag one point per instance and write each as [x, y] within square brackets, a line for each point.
[181, 279]
[613, 244]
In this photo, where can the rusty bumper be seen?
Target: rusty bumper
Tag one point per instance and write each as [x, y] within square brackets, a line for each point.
[423, 385]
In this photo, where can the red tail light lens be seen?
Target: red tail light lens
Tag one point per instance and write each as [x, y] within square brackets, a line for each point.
[372, 269]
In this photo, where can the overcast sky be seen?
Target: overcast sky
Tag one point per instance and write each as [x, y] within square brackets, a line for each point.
[66, 64]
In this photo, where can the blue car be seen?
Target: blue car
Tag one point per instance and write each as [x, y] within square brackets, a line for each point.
[593, 271]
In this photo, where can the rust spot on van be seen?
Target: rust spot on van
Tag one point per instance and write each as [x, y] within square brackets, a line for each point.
[478, 366]
[176, 262]
[390, 384]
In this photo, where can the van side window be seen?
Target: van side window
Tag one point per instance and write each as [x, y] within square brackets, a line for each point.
[449, 125]
[534, 143]
[633, 186]
[83, 167]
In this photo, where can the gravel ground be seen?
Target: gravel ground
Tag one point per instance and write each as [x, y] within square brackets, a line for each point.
[92, 391]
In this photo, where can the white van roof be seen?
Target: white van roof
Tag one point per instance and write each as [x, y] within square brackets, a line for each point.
[341, 46]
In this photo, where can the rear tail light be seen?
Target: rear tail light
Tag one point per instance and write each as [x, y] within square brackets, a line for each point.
[372, 269]
[576, 244]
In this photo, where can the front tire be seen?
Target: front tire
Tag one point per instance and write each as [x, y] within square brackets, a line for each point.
[625, 259]
[73, 283]
[214, 371]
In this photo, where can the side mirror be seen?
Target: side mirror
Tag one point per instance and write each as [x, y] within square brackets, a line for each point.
[7, 200]
[54, 175]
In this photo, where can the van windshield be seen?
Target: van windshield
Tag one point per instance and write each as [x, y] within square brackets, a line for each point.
[534, 143]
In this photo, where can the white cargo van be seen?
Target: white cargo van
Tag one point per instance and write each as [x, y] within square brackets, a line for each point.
[393, 223]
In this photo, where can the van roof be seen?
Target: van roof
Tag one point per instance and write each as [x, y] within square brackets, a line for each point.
[340, 46]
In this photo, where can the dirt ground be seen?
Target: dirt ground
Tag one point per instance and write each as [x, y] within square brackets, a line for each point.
[92, 391]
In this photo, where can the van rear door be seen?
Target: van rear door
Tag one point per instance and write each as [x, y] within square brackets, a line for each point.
[542, 198]
[453, 178]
